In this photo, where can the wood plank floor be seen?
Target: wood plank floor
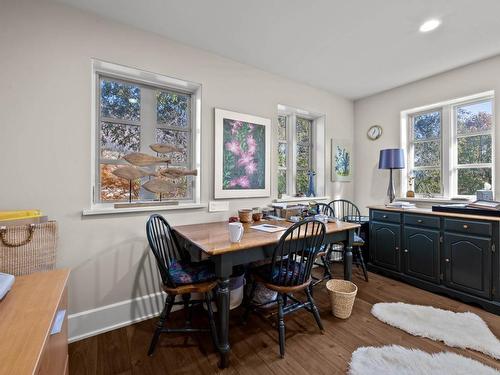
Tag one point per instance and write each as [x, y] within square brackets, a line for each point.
[255, 346]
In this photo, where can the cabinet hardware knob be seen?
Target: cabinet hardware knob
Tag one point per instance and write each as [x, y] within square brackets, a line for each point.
[466, 226]
[447, 260]
[420, 221]
[406, 250]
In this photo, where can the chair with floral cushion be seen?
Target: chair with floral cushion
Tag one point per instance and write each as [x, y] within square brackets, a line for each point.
[289, 272]
[179, 277]
[326, 249]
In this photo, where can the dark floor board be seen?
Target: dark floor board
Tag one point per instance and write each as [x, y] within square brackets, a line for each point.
[255, 345]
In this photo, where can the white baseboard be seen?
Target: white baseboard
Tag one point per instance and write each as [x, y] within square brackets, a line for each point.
[106, 318]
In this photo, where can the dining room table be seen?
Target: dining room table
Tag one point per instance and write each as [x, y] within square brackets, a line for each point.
[211, 241]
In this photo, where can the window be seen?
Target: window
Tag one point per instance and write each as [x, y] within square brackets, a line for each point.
[450, 148]
[303, 138]
[130, 116]
[295, 152]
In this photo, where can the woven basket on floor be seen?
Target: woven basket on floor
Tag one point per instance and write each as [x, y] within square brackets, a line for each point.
[342, 296]
[25, 249]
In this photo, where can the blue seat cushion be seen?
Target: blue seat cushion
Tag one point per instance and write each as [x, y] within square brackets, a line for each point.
[272, 274]
[183, 272]
[358, 240]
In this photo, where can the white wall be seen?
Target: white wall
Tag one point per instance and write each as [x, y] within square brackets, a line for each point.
[384, 109]
[45, 101]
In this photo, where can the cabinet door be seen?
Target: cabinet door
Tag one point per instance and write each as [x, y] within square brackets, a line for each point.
[421, 253]
[468, 263]
[385, 244]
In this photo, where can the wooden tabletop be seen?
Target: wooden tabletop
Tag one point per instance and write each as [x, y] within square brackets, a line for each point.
[428, 211]
[26, 314]
[213, 238]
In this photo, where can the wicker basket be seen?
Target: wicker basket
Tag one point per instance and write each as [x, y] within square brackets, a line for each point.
[342, 296]
[25, 249]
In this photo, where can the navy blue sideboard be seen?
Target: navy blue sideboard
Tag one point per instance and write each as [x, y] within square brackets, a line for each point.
[453, 254]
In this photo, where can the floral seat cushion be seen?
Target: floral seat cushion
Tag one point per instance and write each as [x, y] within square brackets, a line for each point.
[274, 276]
[183, 272]
[358, 240]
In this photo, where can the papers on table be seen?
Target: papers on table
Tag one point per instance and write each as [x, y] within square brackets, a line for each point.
[268, 228]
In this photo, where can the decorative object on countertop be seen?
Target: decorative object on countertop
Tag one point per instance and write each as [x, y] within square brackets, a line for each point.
[460, 330]
[342, 160]
[397, 360]
[25, 249]
[6, 282]
[410, 193]
[245, 215]
[392, 158]
[242, 149]
[140, 159]
[158, 185]
[486, 194]
[310, 192]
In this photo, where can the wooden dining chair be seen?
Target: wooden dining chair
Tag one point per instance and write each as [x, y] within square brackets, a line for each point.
[290, 272]
[326, 249]
[179, 277]
[345, 210]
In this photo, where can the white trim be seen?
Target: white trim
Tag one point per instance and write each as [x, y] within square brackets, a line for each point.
[219, 192]
[107, 318]
[106, 209]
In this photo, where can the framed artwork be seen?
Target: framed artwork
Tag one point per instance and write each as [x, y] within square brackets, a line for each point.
[242, 155]
[341, 160]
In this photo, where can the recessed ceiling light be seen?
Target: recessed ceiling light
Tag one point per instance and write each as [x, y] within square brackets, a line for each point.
[429, 25]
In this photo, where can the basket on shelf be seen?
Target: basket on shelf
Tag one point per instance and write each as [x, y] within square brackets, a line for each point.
[25, 249]
[342, 295]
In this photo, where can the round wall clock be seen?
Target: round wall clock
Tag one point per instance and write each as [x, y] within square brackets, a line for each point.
[375, 132]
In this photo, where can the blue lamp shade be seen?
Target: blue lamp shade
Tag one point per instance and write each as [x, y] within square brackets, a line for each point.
[391, 158]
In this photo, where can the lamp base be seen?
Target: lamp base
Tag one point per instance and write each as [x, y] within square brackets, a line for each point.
[391, 192]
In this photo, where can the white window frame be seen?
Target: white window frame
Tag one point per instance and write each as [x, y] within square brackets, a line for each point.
[141, 77]
[449, 162]
[317, 148]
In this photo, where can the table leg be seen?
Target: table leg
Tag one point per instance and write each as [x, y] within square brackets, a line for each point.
[348, 256]
[223, 312]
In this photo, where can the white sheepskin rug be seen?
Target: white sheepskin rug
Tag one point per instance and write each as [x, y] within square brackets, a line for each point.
[461, 330]
[396, 360]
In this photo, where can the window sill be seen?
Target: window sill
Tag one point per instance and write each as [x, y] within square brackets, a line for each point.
[107, 209]
[301, 199]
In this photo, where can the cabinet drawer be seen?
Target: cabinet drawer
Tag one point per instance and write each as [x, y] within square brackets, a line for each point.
[422, 220]
[392, 217]
[467, 226]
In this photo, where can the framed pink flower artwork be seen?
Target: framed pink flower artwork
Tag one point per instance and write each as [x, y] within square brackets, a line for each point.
[242, 150]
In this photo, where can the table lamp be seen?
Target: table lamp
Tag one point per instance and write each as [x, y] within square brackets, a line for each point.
[391, 158]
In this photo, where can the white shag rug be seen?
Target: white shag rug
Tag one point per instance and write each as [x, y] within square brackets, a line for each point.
[460, 330]
[396, 360]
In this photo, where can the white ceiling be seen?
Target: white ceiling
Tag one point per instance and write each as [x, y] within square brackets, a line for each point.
[350, 47]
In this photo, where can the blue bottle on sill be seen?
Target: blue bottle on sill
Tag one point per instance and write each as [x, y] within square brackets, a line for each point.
[311, 175]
